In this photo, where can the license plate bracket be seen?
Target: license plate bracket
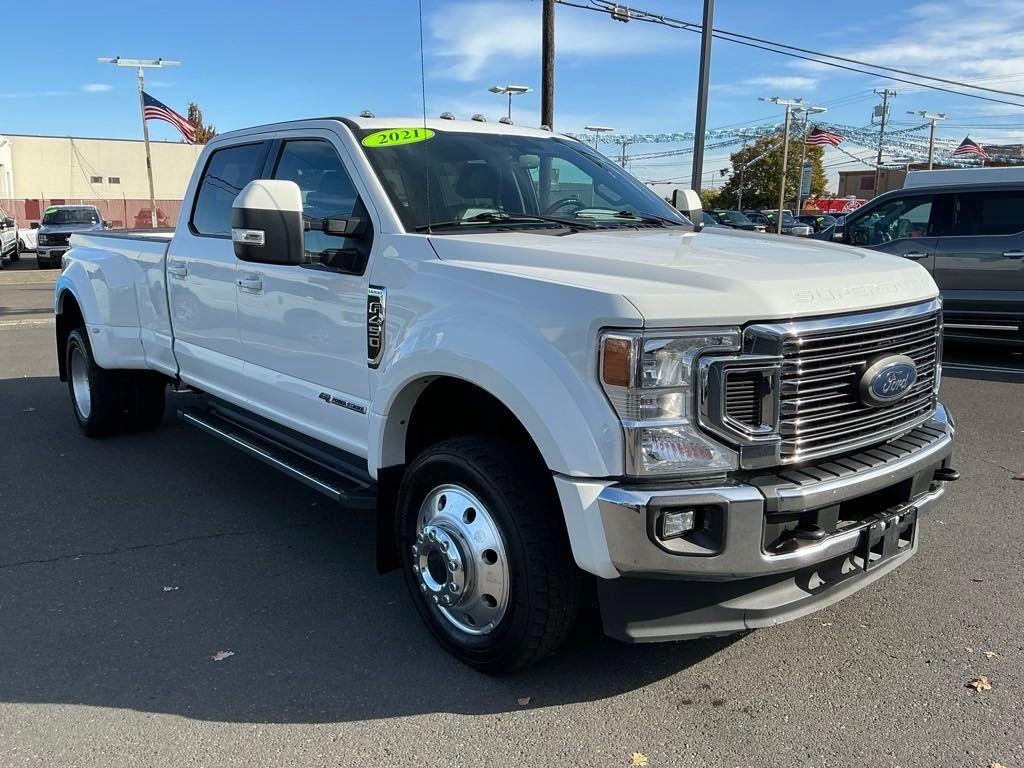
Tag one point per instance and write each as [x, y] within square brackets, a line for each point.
[887, 535]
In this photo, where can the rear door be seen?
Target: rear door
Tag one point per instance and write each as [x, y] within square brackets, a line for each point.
[201, 274]
[979, 264]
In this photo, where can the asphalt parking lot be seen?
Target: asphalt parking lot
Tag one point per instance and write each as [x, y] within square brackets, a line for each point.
[129, 566]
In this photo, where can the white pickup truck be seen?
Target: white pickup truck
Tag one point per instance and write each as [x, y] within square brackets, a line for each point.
[537, 374]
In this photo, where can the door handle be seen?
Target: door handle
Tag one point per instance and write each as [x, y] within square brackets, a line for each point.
[177, 269]
[915, 255]
[1014, 254]
[250, 283]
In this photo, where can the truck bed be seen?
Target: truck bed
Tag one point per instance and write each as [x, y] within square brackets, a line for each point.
[135, 319]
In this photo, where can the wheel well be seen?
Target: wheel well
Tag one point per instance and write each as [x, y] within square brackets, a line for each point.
[445, 407]
[69, 317]
[451, 407]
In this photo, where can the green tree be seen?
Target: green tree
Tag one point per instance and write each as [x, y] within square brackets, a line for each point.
[204, 132]
[709, 198]
[761, 178]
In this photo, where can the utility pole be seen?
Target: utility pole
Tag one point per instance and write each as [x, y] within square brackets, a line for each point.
[547, 67]
[702, 95]
[788, 104]
[808, 111]
[885, 94]
[140, 65]
[622, 153]
[931, 134]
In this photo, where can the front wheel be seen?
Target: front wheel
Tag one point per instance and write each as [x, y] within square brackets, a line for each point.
[485, 553]
[16, 253]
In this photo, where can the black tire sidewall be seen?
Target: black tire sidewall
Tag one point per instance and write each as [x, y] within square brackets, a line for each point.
[441, 466]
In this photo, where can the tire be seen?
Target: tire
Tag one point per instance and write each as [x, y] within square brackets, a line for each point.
[107, 402]
[97, 395]
[514, 546]
[16, 253]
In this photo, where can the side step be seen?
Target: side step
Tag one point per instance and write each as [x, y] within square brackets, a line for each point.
[346, 489]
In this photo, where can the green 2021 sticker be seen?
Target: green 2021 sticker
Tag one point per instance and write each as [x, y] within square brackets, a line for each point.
[392, 137]
[50, 210]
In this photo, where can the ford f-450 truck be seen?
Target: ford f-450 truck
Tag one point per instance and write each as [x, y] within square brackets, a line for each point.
[534, 372]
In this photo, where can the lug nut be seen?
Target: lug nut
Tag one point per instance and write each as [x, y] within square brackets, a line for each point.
[423, 587]
[415, 569]
[453, 587]
[419, 537]
[432, 535]
[436, 600]
[444, 546]
[453, 565]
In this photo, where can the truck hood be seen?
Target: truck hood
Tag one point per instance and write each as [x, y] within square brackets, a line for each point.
[50, 229]
[719, 275]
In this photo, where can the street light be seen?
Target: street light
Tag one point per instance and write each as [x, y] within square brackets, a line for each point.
[807, 111]
[141, 65]
[931, 136]
[511, 90]
[597, 130]
[788, 104]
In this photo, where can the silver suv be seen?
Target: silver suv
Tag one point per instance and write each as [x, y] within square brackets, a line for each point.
[970, 236]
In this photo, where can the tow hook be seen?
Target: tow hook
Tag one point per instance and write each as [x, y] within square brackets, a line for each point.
[946, 474]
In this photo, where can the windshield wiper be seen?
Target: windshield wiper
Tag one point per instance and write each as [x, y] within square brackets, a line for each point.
[493, 217]
[649, 218]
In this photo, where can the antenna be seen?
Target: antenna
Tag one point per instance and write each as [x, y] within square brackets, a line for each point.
[423, 93]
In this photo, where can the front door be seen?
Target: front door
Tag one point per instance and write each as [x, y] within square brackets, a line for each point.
[201, 275]
[303, 327]
[904, 226]
[979, 264]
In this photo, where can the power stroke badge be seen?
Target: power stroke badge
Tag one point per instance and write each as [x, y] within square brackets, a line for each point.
[376, 307]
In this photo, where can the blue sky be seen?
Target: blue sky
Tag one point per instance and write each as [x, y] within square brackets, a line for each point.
[276, 61]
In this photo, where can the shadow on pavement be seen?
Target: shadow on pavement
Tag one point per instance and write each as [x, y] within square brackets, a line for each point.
[127, 564]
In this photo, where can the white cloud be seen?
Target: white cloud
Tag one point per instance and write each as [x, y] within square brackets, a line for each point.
[97, 88]
[469, 36]
[784, 82]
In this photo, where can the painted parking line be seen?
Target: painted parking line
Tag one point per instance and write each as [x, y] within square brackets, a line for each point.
[15, 324]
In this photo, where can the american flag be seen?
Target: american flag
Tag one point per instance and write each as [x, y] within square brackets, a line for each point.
[968, 147]
[157, 110]
[819, 137]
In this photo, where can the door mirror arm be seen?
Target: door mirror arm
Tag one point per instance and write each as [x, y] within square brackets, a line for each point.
[342, 226]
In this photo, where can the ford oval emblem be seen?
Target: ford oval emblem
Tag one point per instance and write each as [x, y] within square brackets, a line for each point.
[887, 380]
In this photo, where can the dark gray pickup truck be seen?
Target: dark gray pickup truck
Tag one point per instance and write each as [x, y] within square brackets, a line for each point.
[966, 226]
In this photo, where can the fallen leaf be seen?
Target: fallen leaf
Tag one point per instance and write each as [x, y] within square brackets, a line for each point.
[990, 654]
[28, 410]
[826, 623]
[997, 765]
[638, 759]
[1015, 477]
[221, 655]
[522, 701]
[977, 581]
[980, 683]
[969, 649]
[169, 589]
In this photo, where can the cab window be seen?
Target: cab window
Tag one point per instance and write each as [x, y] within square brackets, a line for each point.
[227, 172]
[905, 217]
[988, 213]
[327, 192]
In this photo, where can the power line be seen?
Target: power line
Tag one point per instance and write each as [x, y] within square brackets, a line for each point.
[788, 50]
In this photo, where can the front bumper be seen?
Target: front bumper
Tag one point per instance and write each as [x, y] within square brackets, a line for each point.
[50, 253]
[772, 547]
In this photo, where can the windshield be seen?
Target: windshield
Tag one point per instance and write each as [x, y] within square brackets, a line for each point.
[479, 180]
[733, 217]
[787, 217]
[59, 217]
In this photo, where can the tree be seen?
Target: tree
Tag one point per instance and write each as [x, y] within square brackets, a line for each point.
[709, 198]
[761, 178]
[195, 116]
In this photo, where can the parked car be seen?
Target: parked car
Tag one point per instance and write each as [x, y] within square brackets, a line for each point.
[790, 226]
[710, 220]
[27, 237]
[534, 389]
[968, 234]
[737, 220]
[818, 222]
[9, 247]
[59, 222]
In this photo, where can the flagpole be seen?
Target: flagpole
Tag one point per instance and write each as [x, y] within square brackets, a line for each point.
[141, 64]
[149, 159]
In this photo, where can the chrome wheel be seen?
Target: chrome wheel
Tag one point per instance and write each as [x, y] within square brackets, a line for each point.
[459, 560]
[80, 382]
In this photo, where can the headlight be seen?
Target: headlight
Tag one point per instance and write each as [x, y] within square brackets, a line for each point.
[649, 379]
[42, 240]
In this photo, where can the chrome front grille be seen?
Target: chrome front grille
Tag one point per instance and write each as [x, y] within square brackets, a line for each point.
[820, 409]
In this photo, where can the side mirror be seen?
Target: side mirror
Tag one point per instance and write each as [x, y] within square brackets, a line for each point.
[9, 222]
[34, 225]
[107, 224]
[687, 202]
[266, 223]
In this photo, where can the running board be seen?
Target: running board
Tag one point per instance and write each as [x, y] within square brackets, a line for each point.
[346, 490]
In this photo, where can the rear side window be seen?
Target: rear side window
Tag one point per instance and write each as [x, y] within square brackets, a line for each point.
[227, 173]
[988, 213]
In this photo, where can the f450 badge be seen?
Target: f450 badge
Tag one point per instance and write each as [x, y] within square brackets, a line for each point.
[376, 307]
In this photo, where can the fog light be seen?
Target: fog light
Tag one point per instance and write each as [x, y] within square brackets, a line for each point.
[676, 522]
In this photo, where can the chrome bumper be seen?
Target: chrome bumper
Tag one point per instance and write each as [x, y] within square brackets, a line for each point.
[743, 508]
